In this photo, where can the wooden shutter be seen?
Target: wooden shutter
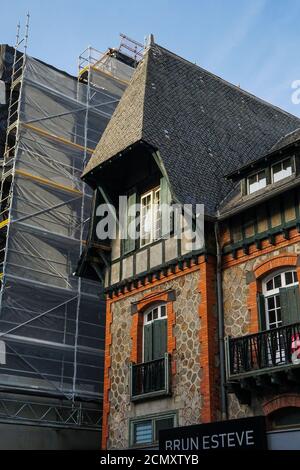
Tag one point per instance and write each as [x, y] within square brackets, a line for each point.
[129, 243]
[290, 304]
[261, 312]
[159, 338]
[148, 342]
[165, 201]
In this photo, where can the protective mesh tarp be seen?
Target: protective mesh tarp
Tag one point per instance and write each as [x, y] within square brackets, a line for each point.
[52, 322]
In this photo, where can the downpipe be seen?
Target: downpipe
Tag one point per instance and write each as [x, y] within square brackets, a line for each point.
[220, 314]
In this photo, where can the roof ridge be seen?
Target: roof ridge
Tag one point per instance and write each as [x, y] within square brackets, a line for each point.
[287, 135]
[223, 80]
[140, 70]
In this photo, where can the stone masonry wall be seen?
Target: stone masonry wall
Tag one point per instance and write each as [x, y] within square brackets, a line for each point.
[185, 399]
[237, 316]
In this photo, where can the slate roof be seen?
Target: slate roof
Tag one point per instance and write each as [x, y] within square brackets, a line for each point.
[288, 139]
[203, 126]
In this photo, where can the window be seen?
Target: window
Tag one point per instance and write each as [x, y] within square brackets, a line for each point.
[145, 432]
[282, 170]
[256, 182]
[150, 217]
[284, 418]
[155, 216]
[279, 291]
[279, 305]
[155, 333]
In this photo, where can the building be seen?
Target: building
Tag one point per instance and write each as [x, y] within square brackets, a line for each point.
[207, 331]
[51, 322]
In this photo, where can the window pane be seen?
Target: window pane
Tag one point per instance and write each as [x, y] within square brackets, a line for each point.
[150, 217]
[155, 314]
[295, 276]
[257, 181]
[143, 432]
[271, 303]
[165, 423]
[252, 179]
[276, 168]
[289, 278]
[270, 284]
[289, 416]
[149, 316]
[272, 316]
[282, 170]
[163, 311]
[277, 281]
[146, 219]
[287, 164]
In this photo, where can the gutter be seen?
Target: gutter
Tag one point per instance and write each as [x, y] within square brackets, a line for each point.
[259, 198]
[220, 314]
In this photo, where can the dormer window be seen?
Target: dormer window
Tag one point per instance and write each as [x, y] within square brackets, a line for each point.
[256, 182]
[150, 216]
[282, 170]
[147, 218]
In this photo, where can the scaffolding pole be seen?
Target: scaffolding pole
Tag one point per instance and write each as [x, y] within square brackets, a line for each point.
[49, 319]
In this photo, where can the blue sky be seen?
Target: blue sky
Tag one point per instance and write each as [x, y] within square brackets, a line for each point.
[254, 43]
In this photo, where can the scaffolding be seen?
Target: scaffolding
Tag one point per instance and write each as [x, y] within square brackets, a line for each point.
[52, 322]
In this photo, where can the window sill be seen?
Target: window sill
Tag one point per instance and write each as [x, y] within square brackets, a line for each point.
[150, 395]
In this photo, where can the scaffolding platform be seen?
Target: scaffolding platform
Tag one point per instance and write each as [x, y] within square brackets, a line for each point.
[52, 322]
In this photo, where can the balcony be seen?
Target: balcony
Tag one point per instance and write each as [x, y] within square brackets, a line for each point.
[150, 379]
[264, 359]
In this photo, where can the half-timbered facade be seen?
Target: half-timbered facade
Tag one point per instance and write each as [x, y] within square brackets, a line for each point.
[202, 330]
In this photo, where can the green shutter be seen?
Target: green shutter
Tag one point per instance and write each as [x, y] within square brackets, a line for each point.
[159, 338]
[290, 304]
[261, 312]
[148, 342]
[165, 201]
[129, 242]
[261, 349]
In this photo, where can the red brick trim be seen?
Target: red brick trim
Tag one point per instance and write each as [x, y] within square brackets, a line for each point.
[284, 259]
[170, 275]
[106, 384]
[266, 247]
[137, 325]
[136, 334]
[254, 289]
[208, 342]
[281, 401]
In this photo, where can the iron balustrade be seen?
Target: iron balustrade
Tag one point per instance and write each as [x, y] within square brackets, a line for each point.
[150, 379]
[264, 350]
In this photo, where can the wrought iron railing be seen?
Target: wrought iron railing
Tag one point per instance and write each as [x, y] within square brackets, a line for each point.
[264, 350]
[150, 379]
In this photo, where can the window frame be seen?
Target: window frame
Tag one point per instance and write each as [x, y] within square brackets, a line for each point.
[153, 418]
[280, 162]
[275, 291]
[154, 214]
[146, 322]
[256, 174]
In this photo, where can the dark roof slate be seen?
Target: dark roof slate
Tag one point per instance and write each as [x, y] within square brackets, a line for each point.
[288, 139]
[203, 126]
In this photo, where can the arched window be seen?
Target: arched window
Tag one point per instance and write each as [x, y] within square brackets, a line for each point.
[284, 418]
[155, 333]
[280, 301]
